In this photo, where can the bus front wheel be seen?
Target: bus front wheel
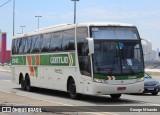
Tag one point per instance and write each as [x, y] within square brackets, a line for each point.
[115, 96]
[72, 89]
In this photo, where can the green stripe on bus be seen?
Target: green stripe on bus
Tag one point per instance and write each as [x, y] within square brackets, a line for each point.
[33, 60]
[74, 58]
[50, 60]
[18, 60]
[24, 60]
[44, 60]
[62, 60]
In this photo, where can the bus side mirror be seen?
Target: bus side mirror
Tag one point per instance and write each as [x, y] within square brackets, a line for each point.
[91, 45]
[148, 45]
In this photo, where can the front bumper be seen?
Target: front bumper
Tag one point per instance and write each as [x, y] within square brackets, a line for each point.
[104, 89]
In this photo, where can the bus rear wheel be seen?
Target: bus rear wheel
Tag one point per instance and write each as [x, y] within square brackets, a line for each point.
[28, 85]
[72, 89]
[23, 84]
[115, 96]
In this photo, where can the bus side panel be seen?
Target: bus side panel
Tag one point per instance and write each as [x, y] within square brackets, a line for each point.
[55, 77]
[16, 71]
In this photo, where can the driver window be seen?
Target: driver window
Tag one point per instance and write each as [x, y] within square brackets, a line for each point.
[83, 50]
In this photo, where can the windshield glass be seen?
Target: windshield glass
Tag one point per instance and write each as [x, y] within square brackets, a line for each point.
[117, 50]
[117, 57]
[126, 33]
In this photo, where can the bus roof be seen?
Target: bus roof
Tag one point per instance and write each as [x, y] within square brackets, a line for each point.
[69, 26]
[104, 24]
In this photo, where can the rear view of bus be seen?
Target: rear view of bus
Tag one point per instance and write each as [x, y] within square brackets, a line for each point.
[118, 65]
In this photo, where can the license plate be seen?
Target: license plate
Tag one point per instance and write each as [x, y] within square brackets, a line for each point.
[150, 88]
[121, 88]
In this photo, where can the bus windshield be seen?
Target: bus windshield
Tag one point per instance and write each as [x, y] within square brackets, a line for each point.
[117, 58]
[119, 55]
[112, 33]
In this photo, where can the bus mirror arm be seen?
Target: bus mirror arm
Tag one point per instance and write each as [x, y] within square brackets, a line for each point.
[90, 45]
[148, 44]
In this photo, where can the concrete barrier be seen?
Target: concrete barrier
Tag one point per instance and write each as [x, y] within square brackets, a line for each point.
[5, 68]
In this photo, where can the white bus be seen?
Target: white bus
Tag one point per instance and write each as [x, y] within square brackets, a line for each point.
[84, 58]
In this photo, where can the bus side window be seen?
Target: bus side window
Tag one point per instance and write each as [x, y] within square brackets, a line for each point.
[36, 44]
[17, 44]
[14, 51]
[28, 45]
[68, 40]
[56, 42]
[46, 38]
[32, 45]
[22, 45]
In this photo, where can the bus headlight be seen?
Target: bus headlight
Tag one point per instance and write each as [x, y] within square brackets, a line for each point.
[100, 80]
[140, 79]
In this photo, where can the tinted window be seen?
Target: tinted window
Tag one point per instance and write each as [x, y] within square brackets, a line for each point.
[68, 40]
[14, 46]
[83, 50]
[114, 33]
[21, 45]
[46, 42]
[36, 44]
[56, 42]
[82, 34]
[28, 44]
[117, 58]
[17, 44]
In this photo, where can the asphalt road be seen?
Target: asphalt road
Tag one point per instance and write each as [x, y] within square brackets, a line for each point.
[5, 76]
[62, 98]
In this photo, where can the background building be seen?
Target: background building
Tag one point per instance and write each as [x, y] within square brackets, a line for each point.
[150, 56]
[5, 55]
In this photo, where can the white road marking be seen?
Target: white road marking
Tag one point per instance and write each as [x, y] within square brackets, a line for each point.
[155, 104]
[6, 80]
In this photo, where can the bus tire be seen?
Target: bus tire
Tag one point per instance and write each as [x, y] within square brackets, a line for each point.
[115, 96]
[28, 85]
[72, 89]
[23, 84]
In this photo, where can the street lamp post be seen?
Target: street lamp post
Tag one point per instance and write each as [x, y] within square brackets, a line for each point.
[75, 10]
[38, 20]
[22, 28]
[13, 16]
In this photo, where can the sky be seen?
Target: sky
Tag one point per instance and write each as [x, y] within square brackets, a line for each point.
[145, 14]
